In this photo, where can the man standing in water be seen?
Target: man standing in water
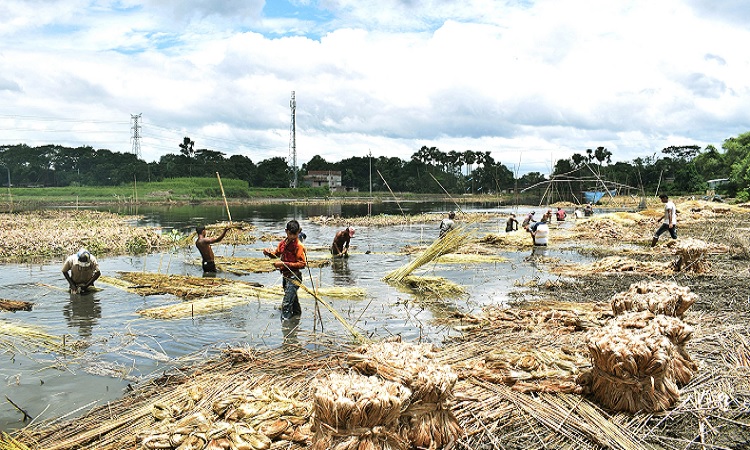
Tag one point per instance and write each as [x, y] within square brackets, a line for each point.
[340, 245]
[447, 224]
[203, 244]
[669, 220]
[291, 254]
[81, 270]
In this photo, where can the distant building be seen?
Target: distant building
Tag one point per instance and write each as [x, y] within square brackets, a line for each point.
[323, 178]
[712, 184]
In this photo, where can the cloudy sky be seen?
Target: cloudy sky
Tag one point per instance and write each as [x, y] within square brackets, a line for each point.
[532, 81]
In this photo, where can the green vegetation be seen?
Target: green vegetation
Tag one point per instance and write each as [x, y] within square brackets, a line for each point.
[169, 190]
[69, 173]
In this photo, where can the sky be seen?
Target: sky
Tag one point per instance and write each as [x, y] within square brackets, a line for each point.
[529, 81]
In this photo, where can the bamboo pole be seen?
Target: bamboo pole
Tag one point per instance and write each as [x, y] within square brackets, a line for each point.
[446, 192]
[229, 215]
[394, 195]
[357, 336]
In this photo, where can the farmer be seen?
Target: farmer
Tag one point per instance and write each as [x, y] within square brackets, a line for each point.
[291, 254]
[669, 220]
[539, 232]
[527, 220]
[340, 245]
[203, 244]
[81, 270]
[561, 214]
[511, 224]
[588, 210]
[447, 224]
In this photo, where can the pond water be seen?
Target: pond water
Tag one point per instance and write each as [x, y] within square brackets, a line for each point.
[123, 347]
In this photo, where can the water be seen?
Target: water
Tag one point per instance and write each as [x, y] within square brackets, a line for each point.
[123, 348]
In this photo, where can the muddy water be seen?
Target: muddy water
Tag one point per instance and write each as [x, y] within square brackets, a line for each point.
[123, 348]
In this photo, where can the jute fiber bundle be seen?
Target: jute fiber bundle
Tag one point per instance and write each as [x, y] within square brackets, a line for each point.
[632, 371]
[678, 333]
[428, 422]
[356, 412]
[691, 256]
[449, 243]
[659, 297]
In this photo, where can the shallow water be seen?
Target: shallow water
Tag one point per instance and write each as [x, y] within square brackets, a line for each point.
[123, 347]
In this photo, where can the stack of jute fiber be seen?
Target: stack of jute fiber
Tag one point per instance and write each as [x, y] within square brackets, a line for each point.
[659, 297]
[639, 358]
[632, 371]
[356, 412]
[428, 420]
[691, 256]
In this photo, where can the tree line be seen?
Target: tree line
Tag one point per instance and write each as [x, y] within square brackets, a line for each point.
[675, 170]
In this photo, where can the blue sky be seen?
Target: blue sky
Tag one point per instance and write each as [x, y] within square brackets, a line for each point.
[530, 81]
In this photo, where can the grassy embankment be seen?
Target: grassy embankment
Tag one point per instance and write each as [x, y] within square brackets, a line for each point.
[183, 190]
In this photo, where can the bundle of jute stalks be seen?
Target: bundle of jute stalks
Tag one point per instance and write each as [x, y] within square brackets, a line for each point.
[674, 329]
[428, 421]
[633, 370]
[691, 256]
[659, 297]
[450, 242]
[357, 412]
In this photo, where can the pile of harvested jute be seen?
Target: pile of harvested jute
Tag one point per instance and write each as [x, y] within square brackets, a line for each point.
[428, 421]
[632, 371]
[639, 358]
[250, 420]
[659, 297]
[449, 243]
[691, 256]
[356, 412]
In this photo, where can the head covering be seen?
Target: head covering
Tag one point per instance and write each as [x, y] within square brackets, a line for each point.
[84, 257]
[351, 231]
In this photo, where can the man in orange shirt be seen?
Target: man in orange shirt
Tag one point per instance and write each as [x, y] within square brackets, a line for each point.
[291, 254]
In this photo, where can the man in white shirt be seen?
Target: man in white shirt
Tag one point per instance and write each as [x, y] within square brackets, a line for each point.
[669, 220]
[447, 224]
[540, 232]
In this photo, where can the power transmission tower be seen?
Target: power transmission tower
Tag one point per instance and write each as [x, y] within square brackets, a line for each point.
[136, 134]
[293, 138]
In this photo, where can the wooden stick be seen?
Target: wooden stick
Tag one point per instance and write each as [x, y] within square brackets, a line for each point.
[394, 195]
[225, 197]
[446, 192]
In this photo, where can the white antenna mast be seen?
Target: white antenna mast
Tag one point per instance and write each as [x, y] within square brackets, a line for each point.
[293, 138]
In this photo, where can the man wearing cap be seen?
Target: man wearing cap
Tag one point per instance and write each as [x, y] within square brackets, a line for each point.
[340, 245]
[447, 224]
[81, 270]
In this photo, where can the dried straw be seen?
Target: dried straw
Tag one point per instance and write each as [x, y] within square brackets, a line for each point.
[356, 412]
[15, 305]
[438, 287]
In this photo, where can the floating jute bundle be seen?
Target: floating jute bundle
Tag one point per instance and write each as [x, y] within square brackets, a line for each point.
[691, 256]
[428, 421]
[632, 371]
[356, 412]
[659, 297]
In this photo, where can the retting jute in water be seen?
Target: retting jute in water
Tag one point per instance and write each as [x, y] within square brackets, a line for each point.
[357, 412]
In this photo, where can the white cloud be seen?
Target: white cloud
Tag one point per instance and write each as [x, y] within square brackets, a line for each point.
[529, 81]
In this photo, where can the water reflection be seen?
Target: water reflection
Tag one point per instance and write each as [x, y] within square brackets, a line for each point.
[342, 275]
[289, 330]
[84, 312]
